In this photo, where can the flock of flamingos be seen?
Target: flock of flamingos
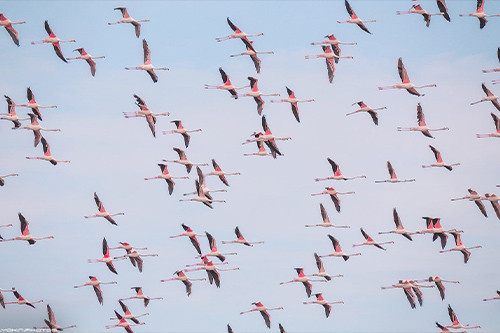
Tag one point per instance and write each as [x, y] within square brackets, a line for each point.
[267, 145]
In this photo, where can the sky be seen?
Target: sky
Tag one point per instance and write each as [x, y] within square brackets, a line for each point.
[270, 200]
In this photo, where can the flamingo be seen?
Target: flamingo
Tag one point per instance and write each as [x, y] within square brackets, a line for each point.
[203, 185]
[140, 295]
[434, 227]
[47, 156]
[128, 19]
[21, 300]
[256, 94]
[52, 324]
[439, 283]
[399, 227]
[36, 128]
[2, 180]
[123, 323]
[240, 239]
[214, 252]
[494, 69]
[7, 24]
[135, 258]
[96, 284]
[445, 330]
[262, 151]
[489, 97]
[326, 220]
[144, 111]
[148, 66]
[32, 103]
[11, 115]
[480, 14]
[227, 85]
[417, 9]
[422, 126]
[455, 324]
[25, 233]
[128, 314]
[370, 241]
[333, 195]
[494, 199]
[394, 178]
[334, 43]
[221, 174]
[293, 102]
[439, 161]
[167, 176]
[181, 130]
[237, 33]
[184, 161]
[355, 19]
[459, 246]
[338, 251]
[211, 269]
[329, 57]
[337, 174]
[408, 286]
[252, 52]
[202, 197]
[304, 279]
[2, 300]
[496, 134]
[107, 259]
[185, 279]
[188, 232]
[54, 40]
[365, 108]
[103, 212]
[321, 301]
[88, 58]
[268, 138]
[321, 269]
[263, 311]
[493, 298]
[474, 196]
[405, 81]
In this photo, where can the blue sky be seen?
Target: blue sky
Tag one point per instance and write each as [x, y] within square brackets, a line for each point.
[271, 200]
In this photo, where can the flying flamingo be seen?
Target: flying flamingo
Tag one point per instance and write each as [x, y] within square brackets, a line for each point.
[202, 197]
[185, 279]
[422, 126]
[293, 102]
[333, 195]
[11, 115]
[408, 286]
[140, 295]
[226, 86]
[107, 259]
[135, 258]
[128, 314]
[338, 251]
[399, 227]
[123, 323]
[262, 151]
[334, 43]
[365, 108]
[167, 176]
[489, 97]
[181, 130]
[47, 156]
[405, 81]
[144, 111]
[480, 14]
[321, 269]
[2, 300]
[256, 94]
[188, 232]
[221, 174]
[52, 324]
[445, 330]
[96, 284]
[240, 239]
[211, 269]
[329, 57]
[494, 199]
[7, 24]
[417, 9]
[214, 252]
[304, 279]
[321, 301]
[88, 58]
[128, 19]
[434, 227]
[494, 69]
[252, 53]
[25, 233]
[439, 283]
[2, 181]
[102, 211]
[184, 161]
[496, 134]
[337, 174]
[147, 66]
[439, 161]
[493, 298]
[263, 311]
[474, 196]
[355, 19]
[21, 300]
[36, 128]
[54, 40]
[459, 246]
[237, 33]
[32, 103]
[203, 185]
[370, 241]
[326, 220]
[455, 324]
[268, 138]
[394, 178]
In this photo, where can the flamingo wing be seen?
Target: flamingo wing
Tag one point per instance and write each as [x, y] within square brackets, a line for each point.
[420, 115]
[374, 116]
[98, 202]
[151, 123]
[47, 28]
[441, 288]
[92, 65]
[496, 120]
[392, 173]
[331, 69]
[273, 146]
[363, 27]
[410, 296]
[267, 318]
[496, 208]
[24, 224]
[216, 277]
[38, 137]
[437, 154]
[98, 293]
[295, 111]
[349, 9]
[256, 62]
[186, 137]
[110, 219]
[443, 9]
[170, 184]
[481, 207]
[328, 309]
[402, 71]
[308, 287]
[147, 52]
[419, 294]
[260, 104]
[188, 285]
[137, 28]
[13, 34]
[324, 214]
[57, 49]
[451, 313]
[153, 75]
[140, 102]
[335, 242]
[231, 24]
[223, 75]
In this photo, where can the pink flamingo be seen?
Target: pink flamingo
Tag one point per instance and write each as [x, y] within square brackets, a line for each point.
[417, 9]
[188, 232]
[355, 19]
[365, 108]
[304, 279]
[54, 40]
[96, 284]
[202, 197]
[211, 269]
[394, 178]
[494, 199]
[338, 251]
[329, 56]
[262, 151]
[167, 176]
[334, 43]
[493, 298]
[474, 196]
[20, 300]
[399, 227]
[455, 324]
[405, 81]
[422, 126]
[370, 241]
[268, 138]
[293, 102]
[439, 161]
[36, 128]
[11, 115]
[181, 130]
[128, 315]
[88, 58]
[237, 33]
[221, 174]
[128, 19]
[408, 286]
[203, 185]
[47, 156]
[184, 161]
[226, 86]
[326, 220]
[123, 323]
[321, 301]
[107, 259]
[135, 258]
[140, 295]
[252, 52]
[32, 103]
[489, 97]
[256, 94]
[459, 246]
[321, 269]
[240, 239]
[52, 324]
[144, 111]
[148, 66]
[214, 252]
[25, 233]
[102, 211]
[2, 180]
[337, 174]
[439, 283]
[434, 227]
[494, 69]
[7, 24]
[185, 279]
[263, 311]
[333, 195]
[480, 14]
[496, 134]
